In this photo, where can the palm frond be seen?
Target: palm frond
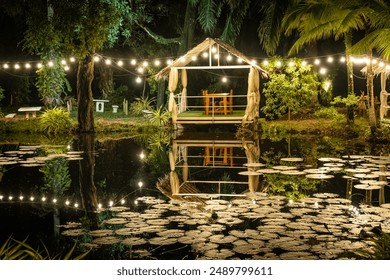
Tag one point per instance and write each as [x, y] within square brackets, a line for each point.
[378, 40]
[209, 12]
[237, 12]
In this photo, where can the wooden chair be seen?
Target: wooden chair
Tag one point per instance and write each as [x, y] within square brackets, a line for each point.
[229, 103]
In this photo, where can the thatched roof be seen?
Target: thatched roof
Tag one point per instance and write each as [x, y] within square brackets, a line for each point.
[207, 45]
[377, 69]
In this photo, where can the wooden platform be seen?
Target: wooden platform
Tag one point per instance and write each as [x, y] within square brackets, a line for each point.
[199, 117]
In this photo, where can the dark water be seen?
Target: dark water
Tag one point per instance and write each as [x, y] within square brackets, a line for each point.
[102, 194]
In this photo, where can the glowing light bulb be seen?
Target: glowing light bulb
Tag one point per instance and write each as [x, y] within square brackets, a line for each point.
[21, 197]
[182, 59]
[133, 62]
[316, 204]
[10, 198]
[157, 62]
[194, 58]
[140, 70]
[120, 63]
[138, 80]
[100, 206]
[290, 201]
[323, 71]
[123, 201]
[67, 202]
[253, 62]
[76, 205]
[229, 57]
[63, 61]
[5, 66]
[136, 202]
[304, 63]
[213, 49]
[32, 198]
[205, 54]
[278, 63]
[17, 66]
[224, 79]
[66, 68]
[169, 61]
[28, 66]
[381, 64]
[111, 203]
[96, 58]
[54, 200]
[216, 56]
[50, 64]
[291, 64]
[140, 184]
[330, 59]
[43, 199]
[145, 64]
[265, 62]
[72, 59]
[39, 65]
[107, 61]
[317, 61]
[142, 155]
[1, 197]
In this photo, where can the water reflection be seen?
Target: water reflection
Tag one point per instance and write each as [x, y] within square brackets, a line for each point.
[200, 196]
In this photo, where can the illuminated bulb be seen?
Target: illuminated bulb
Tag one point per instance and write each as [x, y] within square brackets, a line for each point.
[111, 203]
[68, 147]
[316, 204]
[290, 201]
[66, 68]
[133, 62]
[43, 199]
[72, 59]
[304, 63]
[136, 202]
[76, 205]
[39, 65]
[205, 54]
[120, 63]
[1, 197]
[140, 70]
[317, 61]
[21, 197]
[100, 206]
[169, 61]
[6, 66]
[17, 66]
[381, 64]
[107, 61]
[216, 56]
[194, 58]
[96, 58]
[253, 62]
[291, 64]
[229, 57]
[50, 64]
[342, 59]
[323, 71]
[265, 62]
[145, 63]
[157, 62]
[182, 59]
[224, 79]
[32, 198]
[28, 66]
[138, 80]
[67, 202]
[387, 67]
[54, 200]
[63, 62]
[140, 184]
[213, 49]
[374, 61]
[123, 201]
[142, 155]
[330, 59]
[326, 85]
[10, 198]
[278, 63]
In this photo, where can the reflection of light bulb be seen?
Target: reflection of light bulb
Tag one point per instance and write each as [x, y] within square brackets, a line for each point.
[123, 201]
[290, 201]
[111, 203]
[136, 202]
[100, 206]
[316, 204]
[140, 184]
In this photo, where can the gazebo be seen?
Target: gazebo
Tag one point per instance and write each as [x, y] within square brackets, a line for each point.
[214, 107]
[384, 71]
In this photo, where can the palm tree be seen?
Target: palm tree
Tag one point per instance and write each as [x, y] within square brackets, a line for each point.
[316, 20]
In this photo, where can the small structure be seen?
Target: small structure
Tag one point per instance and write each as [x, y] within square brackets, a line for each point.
[220, 104]
[100, 104]
[30, 110]
[384, 71]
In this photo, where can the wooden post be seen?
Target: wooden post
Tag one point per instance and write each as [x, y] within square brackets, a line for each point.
[125, 106]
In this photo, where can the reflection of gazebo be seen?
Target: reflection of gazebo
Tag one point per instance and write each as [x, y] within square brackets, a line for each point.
[199, 165]
[215, 52]
[383, 70]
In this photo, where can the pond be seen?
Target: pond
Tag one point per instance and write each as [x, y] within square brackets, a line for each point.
[200, 195]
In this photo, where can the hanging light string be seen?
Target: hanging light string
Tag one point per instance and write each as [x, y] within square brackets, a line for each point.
[141, 67]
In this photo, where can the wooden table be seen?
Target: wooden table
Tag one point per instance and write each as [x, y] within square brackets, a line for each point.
[30, 110]
[213, 96]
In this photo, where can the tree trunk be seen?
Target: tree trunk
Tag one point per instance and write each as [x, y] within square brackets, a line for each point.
[187, 35]
[370, 94]
[84, 95]
[350, 83]
[88, 190]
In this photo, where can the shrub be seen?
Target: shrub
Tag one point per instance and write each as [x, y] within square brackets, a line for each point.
[330, 113]
[55, 121]
[140, 104]
[160, 117]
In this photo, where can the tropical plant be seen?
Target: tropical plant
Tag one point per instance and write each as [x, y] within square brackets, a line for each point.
[13, 249]
[290, 87]
[160, 117]
[55, 121]
[140, 104]
[380, 249]
[52, 84]
[56, 176]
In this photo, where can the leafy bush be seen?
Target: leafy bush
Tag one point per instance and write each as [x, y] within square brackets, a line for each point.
[55, 121]
[140, 104]
[330, 113]
[160, 117]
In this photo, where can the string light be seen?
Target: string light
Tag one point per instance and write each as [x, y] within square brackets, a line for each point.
[194, 58]
[138, 80]
[120, 63]
[133, 62]
[330, 59]
[17, 66]
[140, 184]
[224, 79]
[96, 58]
[157, 62]
[50, 64]
[317, 61]
[108, 62]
